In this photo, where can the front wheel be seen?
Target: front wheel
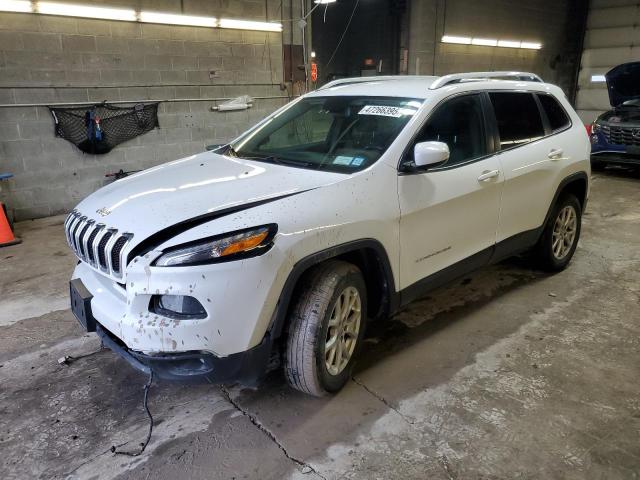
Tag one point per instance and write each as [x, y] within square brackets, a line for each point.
[326, 328]
[561, 234]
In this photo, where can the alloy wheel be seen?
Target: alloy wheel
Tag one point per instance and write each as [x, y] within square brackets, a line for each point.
[564, 232]
[343, 331]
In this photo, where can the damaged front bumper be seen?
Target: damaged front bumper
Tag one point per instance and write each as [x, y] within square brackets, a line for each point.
[246, 367]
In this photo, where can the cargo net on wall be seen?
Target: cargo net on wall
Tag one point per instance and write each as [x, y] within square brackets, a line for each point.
[98, 128]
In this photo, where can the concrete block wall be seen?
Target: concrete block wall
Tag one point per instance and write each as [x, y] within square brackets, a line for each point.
[48, 59]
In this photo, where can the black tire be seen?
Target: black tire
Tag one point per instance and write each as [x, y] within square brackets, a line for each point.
[544, 250]
[319, 290]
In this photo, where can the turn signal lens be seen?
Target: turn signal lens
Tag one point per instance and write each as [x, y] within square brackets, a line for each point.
[246, 244]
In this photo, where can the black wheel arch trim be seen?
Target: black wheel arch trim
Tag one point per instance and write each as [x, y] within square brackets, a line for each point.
[566, 181]
[279, 316]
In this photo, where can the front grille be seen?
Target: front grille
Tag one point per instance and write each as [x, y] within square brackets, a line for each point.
[116, 252]
[96, 244]
[102, 257]
[621, 135]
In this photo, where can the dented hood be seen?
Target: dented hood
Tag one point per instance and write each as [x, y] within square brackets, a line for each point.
[623, 83]
[196, 186]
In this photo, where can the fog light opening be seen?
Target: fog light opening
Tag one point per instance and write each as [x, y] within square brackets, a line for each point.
[179, 307]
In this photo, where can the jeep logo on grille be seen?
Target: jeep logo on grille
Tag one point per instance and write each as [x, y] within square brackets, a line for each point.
[104, 211]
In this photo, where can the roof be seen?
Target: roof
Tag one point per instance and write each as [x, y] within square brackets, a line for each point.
[413, 86]
[408, 86]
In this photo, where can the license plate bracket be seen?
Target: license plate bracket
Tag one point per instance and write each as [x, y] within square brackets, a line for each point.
[81, 304]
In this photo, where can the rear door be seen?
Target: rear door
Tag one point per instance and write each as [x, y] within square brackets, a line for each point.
[530, 154]
[449, 212]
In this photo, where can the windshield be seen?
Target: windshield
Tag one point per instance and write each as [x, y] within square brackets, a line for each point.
[341, 134]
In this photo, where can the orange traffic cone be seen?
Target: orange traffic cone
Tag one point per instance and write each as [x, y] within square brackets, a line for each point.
[6, 235]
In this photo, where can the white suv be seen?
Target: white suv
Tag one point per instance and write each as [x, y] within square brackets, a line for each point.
[339, 208]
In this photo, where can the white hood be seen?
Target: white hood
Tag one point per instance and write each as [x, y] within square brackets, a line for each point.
[168, 194]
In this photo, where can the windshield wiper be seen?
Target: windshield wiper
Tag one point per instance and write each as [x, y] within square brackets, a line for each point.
[278, 160]
[230, 151]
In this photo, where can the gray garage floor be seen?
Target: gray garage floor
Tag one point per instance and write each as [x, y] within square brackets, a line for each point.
[508, 374]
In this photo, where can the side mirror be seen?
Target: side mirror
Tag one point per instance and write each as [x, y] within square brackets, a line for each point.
[430, 153]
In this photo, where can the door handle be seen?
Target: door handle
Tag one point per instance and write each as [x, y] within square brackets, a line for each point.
[556, 154]
[488, 175]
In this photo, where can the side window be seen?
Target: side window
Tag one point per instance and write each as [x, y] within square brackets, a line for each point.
[518, 118]
[558, 119]
[459, 123]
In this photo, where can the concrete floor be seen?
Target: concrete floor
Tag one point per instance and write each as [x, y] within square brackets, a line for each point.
[509, 374]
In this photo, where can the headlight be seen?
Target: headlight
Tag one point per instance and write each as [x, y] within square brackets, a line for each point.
[230, 246]
[595, 127]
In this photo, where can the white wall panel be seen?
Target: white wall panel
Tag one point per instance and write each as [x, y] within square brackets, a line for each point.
[593, 99]
[612, 38]
[588, 116]
[608, 58]
[612, 17]
[612, 3]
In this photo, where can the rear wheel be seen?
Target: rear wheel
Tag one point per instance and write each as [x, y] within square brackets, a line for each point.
[561, 234]
[326, 328]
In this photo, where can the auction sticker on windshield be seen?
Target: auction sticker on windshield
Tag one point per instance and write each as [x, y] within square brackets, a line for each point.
[382, 110]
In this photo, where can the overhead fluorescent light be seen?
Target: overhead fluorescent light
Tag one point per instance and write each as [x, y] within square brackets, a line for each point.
[131, 15]
[324, 2]
[509, 43]
[172, 19]
[451, 39]
[490, 42]
[531, 46]
[15, 6]
[598, 78]
[72, 10]
[250, 25]
[484, 41]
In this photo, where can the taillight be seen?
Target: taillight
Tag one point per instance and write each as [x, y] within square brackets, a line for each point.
[589, 127]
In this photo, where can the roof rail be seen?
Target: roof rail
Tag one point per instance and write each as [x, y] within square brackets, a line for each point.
[479, 76]
[383, 78]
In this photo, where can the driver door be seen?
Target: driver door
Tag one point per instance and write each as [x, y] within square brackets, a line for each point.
[449, 213]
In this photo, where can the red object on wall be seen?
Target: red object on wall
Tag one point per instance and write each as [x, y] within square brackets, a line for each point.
[314, 72]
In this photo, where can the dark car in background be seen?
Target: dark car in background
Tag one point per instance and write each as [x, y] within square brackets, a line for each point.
[615, 135]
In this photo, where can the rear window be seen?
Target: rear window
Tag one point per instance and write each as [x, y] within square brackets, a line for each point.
[556, 115]
[518, 118]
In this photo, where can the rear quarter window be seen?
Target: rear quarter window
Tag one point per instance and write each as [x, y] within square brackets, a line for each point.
[557, 116]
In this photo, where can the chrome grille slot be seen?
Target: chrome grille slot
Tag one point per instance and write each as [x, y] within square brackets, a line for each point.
[75, 223]
[82, 238]
[96, 244]
[116, 253]
[89, 244]
[102, 257]
[76, 235]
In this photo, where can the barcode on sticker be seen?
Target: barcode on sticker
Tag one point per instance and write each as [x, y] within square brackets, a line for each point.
[381, 110]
